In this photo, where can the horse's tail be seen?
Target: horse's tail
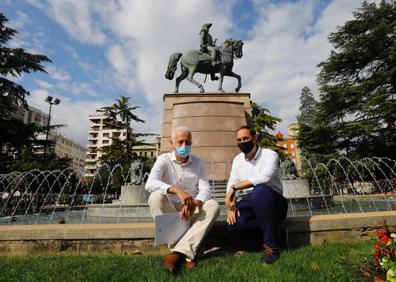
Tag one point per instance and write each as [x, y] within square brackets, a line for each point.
[172, 65]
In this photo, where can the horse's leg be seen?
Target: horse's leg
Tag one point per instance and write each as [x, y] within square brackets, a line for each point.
[237, 76]
[190, 78]
[182, 76]
[213, 76]
[221, 74]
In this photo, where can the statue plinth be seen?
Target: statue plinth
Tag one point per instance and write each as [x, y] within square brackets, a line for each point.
[133, 194]
[213, 119]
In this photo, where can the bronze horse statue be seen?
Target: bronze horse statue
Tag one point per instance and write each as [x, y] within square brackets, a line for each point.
[195, 61]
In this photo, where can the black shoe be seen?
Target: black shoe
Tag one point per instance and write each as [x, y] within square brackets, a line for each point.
[270, 255]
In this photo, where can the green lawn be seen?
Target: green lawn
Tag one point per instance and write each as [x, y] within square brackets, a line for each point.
[331, 262]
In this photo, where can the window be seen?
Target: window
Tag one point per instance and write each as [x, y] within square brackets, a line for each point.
[145, 154]
[152, 154]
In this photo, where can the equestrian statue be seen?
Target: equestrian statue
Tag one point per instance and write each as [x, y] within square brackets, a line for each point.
[210, 59]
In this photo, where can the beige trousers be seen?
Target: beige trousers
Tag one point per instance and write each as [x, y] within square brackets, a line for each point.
[201, 221]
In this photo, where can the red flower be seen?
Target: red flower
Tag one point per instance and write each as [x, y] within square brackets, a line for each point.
[380, 232]
[385, 238]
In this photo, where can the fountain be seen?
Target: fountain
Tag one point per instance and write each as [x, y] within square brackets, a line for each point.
[48, 197]
[133, 199]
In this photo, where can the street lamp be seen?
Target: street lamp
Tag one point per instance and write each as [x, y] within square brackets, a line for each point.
[51, 101]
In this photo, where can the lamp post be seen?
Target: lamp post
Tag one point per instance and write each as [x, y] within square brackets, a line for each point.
[51, 101]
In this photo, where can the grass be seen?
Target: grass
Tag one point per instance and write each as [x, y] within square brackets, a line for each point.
[331, 262]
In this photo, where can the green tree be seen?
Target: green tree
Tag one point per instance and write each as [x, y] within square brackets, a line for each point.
[27, 160]
[313, 136]
[120, 115]
[14, 62]
[308, 107]
[263, 121]
[357, 107]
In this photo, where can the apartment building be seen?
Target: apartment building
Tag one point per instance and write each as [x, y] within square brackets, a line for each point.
[99, 135]
[31, 115]
[65, 147]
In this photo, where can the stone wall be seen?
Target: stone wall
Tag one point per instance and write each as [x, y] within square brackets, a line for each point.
[137, 238]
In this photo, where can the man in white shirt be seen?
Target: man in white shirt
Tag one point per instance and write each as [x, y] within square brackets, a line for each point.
[178, 182]
[254, 173]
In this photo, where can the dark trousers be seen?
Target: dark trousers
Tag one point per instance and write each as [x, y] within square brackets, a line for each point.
[261, 211]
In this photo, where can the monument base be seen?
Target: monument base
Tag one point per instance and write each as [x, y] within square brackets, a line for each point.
[296, 188]
[213, 119]
[132, 194]
[132, 203]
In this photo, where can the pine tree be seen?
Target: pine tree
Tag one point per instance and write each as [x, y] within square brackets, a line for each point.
[14, 62]
[357, 106]
[120, 115]
[263, 121]
[308, 107]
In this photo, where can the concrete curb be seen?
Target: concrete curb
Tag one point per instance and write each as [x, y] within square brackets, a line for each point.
[133, 238]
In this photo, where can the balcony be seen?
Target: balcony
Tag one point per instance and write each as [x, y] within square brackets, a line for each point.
[90, 167]
[94, 129]
[94, 137]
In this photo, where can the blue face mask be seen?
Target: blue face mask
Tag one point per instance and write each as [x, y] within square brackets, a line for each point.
[183, 151]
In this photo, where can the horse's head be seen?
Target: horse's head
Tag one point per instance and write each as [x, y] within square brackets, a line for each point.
[234, 46]
[238, 44]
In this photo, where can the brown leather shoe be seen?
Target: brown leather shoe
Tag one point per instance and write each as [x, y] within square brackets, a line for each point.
[190, 263]
[173, 262]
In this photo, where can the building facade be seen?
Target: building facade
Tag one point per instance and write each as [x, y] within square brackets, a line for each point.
[61, 146]
[99, 135]
[148, 151]
[290, 144]
[31, 115]
[65, 147]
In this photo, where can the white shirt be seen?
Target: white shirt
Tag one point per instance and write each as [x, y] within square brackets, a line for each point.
[190, 176]
[262, 169]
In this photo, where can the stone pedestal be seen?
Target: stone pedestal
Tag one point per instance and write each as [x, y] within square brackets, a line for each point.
[213, 119]
[296, 188]
[133, 194]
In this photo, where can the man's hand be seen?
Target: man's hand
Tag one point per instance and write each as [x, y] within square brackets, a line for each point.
[232, 215]
[230, 198]
[187, 212]
[184, 197]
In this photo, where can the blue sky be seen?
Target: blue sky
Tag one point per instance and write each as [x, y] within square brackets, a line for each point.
[103, 49]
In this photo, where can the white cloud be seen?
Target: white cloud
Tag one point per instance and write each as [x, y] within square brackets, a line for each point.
[21, 20]
[43, 84]
[70, 112]
[285, 49]
[78, 89]
[57, 73]
[285, 45]
[75, 17]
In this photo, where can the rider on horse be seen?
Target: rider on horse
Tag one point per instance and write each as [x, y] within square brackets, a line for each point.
[207, 44]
